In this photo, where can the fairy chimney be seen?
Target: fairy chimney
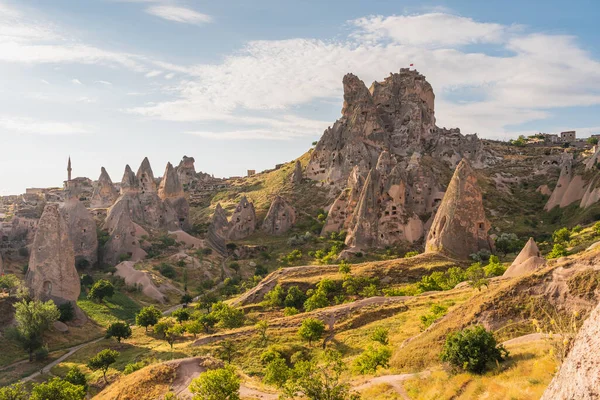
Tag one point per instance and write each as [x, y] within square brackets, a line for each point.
[146, 177]
[130, 182]
[529, 259]
[243, 221]
[104, 194]
[460, 227]
[82, 231]
[280, 218]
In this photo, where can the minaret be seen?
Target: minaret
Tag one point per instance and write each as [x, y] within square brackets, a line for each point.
[69, 169]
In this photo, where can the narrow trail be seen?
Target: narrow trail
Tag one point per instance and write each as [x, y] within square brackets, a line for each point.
[48, 367]
[395, 381]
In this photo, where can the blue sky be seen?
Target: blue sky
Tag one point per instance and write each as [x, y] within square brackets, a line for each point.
[247, 84]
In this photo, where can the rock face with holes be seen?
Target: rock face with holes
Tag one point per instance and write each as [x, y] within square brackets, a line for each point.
[145, 177]
[186, 171]
[218, 230]
[82, 231]
[104, 194]
[388, 131]
[130, 182]
[280, 218]
[52, 274]
[171, 192]
[529, 260]
[579, 374]
[243, 221]
[460, 227]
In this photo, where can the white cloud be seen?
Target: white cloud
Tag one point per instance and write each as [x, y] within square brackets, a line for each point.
[31, 126]
[432, 29]
[153, 74]
[170, 76]
[76, 82]
[179, 14]
[105, 83]
[45, 82]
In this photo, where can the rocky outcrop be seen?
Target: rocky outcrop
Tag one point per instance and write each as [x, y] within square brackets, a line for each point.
[52, 274]
[340, 212]
[460, 227]
[139, 279]
[218, 230]
[145, 177]
[186, 171]
[125, 236]
[529, 260]
[171, 192]
[104, 194]
[130, 182]
[569, 188]
[297, 175]
[243, 221]
[396, 115]
[82, 232]
[579, 374]
[280, 218]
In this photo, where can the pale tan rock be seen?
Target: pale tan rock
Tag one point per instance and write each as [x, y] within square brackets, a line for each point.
[82, 231]
[186, 171]
[125, 236]
[529, 260]
[297, 175]
[340, 212]
[218, 230]
[134, 277]
[189, 240]
[280, 217]
[60, 326]
[243, 221]
[579, 375]
[52, 274]
[460, 227]
[170, 186]
[130, 182]
[145, 177]
[544, 189]
[104, 194]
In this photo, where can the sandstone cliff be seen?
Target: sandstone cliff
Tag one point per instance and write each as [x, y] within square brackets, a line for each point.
[460, 227]
[171, 192]
[579, 374]
[52, 274]
[125, 236]
[82, 232]
[186, 171]
[218, 230]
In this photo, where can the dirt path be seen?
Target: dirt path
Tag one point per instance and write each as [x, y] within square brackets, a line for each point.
[394, 381]
[48, 367]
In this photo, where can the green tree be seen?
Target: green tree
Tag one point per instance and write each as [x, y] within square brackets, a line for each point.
[229, 317]
[261, 327]
[508, 243]
[227, 350]
[173, 334]
[148, 316]
[381, 335]
[494, 267]
[216, 384]
[194, 327]
[318, 382]
[275, 297]
[76, 377]
[14, 392]
[373, 357]
[318, 299]
[57, 389]
[118, 330]
[33, 318]
[182, 314]
[295, 297]
[561, 235]
[163, 325]
[476, 276]
[9, 283]
[100, 290]
[208, 321]
[311, 329]
[344, 268]
[592, 140]
[277, 372]
[102, 361]
[472, 349]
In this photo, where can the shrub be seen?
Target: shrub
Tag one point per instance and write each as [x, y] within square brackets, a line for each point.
[41, 354]
[292, 256]
[472, 349]
[275, 297]
[260, 271]
[411, 254]
[344, 268]
[86, 280]
[57, 388]
[15, 391]
[597, 228]
[76, 377]
[277, 372]
[166, 270]
[294, 298]
[182, 314]
[311, 329]
[228, 317]
[476, 276]
[216, 384]
[561, 235]
[118, 330]
[131, 368]
[67, 312]
[508, 243]
[380, 334]
[577, 228]
[317, 300]
[100, 290]
[558, 250]
[289, 311]
[494, 268]
[372, 358]
[435, 312]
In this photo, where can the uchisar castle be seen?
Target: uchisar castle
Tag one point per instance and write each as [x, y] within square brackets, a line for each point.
[389, 224]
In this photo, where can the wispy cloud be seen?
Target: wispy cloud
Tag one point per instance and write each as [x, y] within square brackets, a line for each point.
[105, 83]
[179, 14]
[76, 82]
[32, 126]
[153, 74]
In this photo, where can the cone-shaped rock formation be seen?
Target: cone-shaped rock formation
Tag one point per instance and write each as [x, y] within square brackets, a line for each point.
[130, 182]
[297, 175]
[124, 234]
[171, 191]
[280, 218]
[186, 171]
[82, 231]
[218, 230]
[460, 227]
[146, 177]
[243, 220]
[104, 194]
[529, 259]
[52, 274]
